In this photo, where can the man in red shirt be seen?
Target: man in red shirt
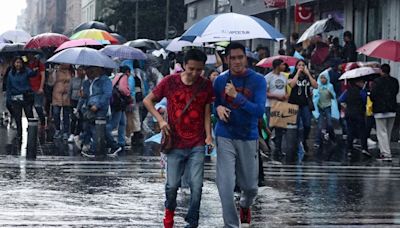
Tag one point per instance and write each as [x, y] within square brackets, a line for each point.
[190, 127]
[37, 84]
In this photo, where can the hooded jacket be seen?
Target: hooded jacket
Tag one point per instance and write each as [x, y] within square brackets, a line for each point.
[316, 95]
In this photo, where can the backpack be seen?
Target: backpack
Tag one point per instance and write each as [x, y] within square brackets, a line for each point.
[119, 102]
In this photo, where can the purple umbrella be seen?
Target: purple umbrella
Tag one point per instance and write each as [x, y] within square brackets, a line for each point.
[123, 52]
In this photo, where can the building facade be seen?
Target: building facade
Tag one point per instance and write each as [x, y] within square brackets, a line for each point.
[91, 9]
[73, 15]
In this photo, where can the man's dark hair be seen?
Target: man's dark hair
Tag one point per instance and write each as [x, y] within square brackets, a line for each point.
[348, 34]
[295, 35]
[234, 45]
[261, 48]
[281, 51]
[124, 69]
[385, 68]
[276, 63]
[196, 55]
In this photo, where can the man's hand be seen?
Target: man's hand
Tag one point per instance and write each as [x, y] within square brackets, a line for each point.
[209, 141]
[40, 91]
[230, 90]
[93, 108]
[223, 113]
[165, 127]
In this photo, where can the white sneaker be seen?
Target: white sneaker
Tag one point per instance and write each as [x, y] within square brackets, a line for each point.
[114, 133]
[85, 148]
[128, 140]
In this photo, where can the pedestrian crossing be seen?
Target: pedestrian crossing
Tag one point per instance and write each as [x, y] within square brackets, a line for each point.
[129, 192]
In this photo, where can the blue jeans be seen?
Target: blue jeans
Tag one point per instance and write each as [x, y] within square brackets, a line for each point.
[177, 160]
[325, 118]
[303, 123]
[118, 120]
[57, 117]
[39, 104]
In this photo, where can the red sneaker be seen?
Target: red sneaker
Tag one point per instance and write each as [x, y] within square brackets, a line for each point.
[245, 215]
[169, 218]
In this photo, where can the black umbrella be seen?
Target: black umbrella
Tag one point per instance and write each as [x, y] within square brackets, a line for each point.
[16, 49]
[91, 25]
[120, 38]
[144, 44]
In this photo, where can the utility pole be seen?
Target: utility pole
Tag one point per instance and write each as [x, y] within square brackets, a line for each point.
[137, 20]
[167, 20]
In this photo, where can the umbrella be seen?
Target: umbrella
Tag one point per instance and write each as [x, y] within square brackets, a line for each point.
[267, 62]
[96, 34]
[92, 25]
[46, 40]
[176, 45]
[16, 36]
[120, 38]
[384, 49]
[231, 26]
[15, 49]
[360, 72]
[123, 52]
[321, 26]
[320, 53]
[352, 65]
[83, 56]
[144, 44]
[78, 43]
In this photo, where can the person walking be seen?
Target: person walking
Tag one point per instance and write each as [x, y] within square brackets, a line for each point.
[61, 101]
[240, 102]
[75, 94]
[19, 92]
[383, 96]
[302, 82]
[276, 91]
[189, 124]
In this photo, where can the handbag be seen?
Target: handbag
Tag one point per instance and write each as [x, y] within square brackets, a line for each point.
[167, 142]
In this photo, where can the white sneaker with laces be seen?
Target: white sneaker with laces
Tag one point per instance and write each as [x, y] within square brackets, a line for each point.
[71, 138]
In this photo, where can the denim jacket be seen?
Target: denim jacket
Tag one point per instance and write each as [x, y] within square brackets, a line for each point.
[96, 92]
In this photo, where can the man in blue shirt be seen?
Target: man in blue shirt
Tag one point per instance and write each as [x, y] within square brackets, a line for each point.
[240, 100]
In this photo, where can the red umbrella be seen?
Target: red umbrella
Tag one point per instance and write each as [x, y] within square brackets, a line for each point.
[46, 40]
[267, 62]
[320, 53]
[383, 49]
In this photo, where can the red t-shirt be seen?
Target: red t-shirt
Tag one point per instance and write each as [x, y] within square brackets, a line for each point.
[189, 131]
[35, 81]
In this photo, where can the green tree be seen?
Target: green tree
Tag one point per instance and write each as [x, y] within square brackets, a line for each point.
[151, 17]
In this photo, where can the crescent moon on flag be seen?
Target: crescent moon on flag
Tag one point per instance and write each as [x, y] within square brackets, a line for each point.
[307, 17]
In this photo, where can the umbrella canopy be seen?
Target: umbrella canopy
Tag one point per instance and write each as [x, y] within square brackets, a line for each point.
[144, 44]
[83, 56]
[46, 40]
[267, 62]
[231, 26]
[123, 52]
[95, 34]
[383, 49]
[176, 45]
[360, 72]
[78, 43]
[352, 65]
[16, 36]
[321, 26]
[120, 38]
[92, 25]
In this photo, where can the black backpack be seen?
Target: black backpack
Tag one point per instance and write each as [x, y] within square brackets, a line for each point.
[119, 102]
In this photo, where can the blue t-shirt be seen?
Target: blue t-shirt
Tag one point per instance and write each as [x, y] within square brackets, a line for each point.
[246, 108]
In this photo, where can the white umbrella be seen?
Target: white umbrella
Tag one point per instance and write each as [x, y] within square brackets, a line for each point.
[231, 26]
[360, 72]
[321, 26]
[16, 36]
[176, 45]
[83, 56]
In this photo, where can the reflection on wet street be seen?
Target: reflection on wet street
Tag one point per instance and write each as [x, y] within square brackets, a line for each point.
[61, 188]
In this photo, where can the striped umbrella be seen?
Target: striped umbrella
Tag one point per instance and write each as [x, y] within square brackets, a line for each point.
[123, 52]
[95, 34]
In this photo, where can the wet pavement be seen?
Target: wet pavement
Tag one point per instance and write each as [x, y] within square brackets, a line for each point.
[63, 189]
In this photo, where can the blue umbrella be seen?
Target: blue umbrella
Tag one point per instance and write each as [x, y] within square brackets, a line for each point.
[123, 52]
[83, 56]
[230, 26]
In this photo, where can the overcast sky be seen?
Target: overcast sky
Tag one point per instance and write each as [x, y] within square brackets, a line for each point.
[9, 11]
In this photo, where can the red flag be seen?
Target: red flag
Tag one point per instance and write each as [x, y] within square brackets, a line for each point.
[275, 3]
[304, 14]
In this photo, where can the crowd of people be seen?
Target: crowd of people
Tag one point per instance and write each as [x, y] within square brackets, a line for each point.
[185, 99]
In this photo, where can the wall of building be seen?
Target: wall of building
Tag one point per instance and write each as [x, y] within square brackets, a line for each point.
[73, 15]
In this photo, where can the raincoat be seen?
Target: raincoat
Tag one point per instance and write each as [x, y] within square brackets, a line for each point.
[97, 92]
[334, 105]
